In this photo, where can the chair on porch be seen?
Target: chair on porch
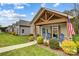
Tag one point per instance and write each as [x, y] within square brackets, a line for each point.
[48, 36]
[61, 38]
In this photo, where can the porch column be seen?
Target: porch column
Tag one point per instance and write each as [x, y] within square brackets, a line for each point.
[35, 34]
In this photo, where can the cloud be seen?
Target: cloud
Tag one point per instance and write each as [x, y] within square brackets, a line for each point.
[10, 14]
[2, 4]
[43, 5]
[32, 13]
[8, 17]
[56, 4]
[21, 5]
[18, 6]
[7, 21]
[27, 4]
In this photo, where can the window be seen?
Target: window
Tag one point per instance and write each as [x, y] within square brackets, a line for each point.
[22, 30]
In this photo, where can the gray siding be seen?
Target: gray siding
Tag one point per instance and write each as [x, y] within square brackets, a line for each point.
[27, 30]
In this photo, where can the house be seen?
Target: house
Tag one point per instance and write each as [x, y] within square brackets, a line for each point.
[9, 29]
[50, 23]
[0, 31]
[21, 27]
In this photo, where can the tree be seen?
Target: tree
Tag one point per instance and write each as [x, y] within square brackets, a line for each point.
[76, 7]
[74, 12]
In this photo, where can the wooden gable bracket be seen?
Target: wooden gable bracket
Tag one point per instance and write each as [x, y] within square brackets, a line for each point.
[45, 16]
[50, 17]
[42, 19]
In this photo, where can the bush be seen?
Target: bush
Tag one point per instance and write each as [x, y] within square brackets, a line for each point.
[40, 40]
[77, 43]
[46, 42]
[13, 33]
[76, 40]
[31, 38]
[38, 35]
[54, 43]
[30, 34]
[69, 47]
[76, 37]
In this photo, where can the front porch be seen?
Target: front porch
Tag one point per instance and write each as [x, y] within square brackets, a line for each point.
[50, 24]
[53, 31]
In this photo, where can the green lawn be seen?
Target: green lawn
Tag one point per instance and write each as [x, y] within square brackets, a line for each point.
[7, 39]
[29, 51]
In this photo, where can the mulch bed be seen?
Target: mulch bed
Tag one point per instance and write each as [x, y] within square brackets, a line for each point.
[57, 51]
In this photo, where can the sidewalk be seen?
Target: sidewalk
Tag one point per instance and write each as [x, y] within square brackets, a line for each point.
[9, 48]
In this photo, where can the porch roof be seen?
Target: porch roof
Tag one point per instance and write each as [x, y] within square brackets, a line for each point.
[54, 11]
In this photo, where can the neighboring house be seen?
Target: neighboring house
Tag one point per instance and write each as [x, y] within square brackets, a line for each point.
[20, 27]
[0, 31]
[50, 23]
[9, 29]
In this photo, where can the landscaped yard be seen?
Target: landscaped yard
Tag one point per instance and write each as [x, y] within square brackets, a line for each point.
[29, 51]
[7, 39]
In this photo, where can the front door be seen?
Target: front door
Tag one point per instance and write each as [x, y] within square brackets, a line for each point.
[46, 32]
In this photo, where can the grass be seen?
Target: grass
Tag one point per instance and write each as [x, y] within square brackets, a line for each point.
[7, 39]
[29, 51]
[76, 37]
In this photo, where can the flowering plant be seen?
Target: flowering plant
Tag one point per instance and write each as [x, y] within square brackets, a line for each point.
[69, 47]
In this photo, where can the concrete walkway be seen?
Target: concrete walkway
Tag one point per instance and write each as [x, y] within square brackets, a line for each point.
[9, 48]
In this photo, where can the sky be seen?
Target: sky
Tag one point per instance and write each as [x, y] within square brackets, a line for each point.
[12, 12]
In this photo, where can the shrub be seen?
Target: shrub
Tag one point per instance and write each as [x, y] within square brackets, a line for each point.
[30, 34]
[69, 47]
[77, 43]
[76, 40]
[31, 38]
[40, 40]
[54, 43]
[76, 37]
[46, 42]
[13, 33]
[38, 35]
